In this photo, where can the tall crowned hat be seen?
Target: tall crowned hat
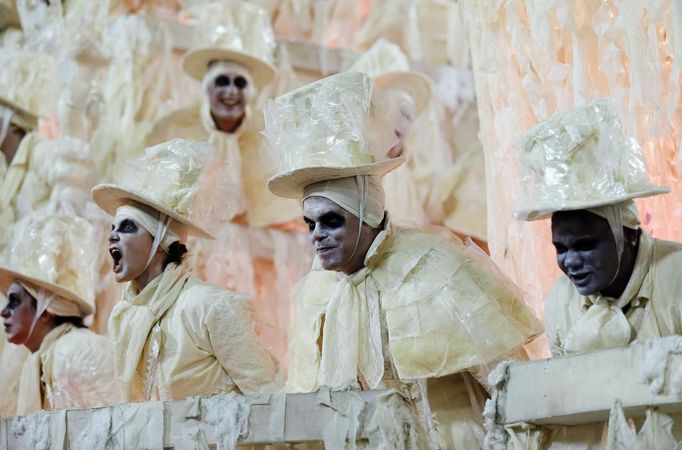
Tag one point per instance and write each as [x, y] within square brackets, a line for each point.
[320, 132]
[238, 32]
[580, 159]
[388, 66]
[174, 178]
[26, 85]
[56, 253]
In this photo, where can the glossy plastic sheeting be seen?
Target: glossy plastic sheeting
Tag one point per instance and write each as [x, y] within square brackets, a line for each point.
[184, 177]
[325, 125]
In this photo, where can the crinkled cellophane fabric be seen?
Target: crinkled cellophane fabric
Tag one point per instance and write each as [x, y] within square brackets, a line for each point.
[532, 60]
[439, 303]
[77, 371]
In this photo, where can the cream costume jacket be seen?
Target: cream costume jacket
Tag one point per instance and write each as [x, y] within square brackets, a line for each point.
[649, 307]
[73, 368]
[439, 305]
[180, 338]
[425, 306]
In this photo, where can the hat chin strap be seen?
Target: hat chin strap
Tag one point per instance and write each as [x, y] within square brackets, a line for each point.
[42, 302]
[362, 189]
[161, 230]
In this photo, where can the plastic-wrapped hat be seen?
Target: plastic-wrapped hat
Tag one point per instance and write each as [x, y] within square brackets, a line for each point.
[580, 159]
[238, 32]
[320, 132]
[26, 85]
[55, 254]
[389, 68]
[171, 178]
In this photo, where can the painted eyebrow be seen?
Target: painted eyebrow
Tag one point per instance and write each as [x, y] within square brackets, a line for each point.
[578, 241]
[331, 215]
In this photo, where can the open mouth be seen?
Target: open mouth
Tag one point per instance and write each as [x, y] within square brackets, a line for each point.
[230, 102]
[580, 278]
[116, 257]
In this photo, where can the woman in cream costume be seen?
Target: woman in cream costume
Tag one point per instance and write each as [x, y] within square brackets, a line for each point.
[619, 283]
[259, 248]
[384, 307]
[50, 289]
[175, 337]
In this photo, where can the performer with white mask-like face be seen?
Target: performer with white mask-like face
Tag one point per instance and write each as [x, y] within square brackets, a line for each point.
[50, 290]
[380, 323]
[169, 193]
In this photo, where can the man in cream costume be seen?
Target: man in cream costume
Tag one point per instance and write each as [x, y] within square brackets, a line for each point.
[175, 337]
[258, 248]
[383, 307]
[50, 289]
[619, 283]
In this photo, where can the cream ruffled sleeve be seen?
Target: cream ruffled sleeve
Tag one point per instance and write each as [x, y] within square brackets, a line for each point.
[83, 372]
[230, 332]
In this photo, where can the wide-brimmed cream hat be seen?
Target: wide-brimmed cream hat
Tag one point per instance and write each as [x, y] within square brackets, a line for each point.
[320, 132]
[27, 85]
[171, 178]
[389, 67]
[580, 159]
[55, 253]
[238, 32]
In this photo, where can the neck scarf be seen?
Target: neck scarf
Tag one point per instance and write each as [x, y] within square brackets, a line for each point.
[133, 318]
[37, 369]
[602, 324]
[351, 337]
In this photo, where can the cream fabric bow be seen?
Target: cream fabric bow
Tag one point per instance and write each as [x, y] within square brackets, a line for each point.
[351, 338]
[602, 325]
[30, 391]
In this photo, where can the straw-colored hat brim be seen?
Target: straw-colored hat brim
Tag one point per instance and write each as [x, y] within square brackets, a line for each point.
[530, 214]
[110, 197]
[291, 184]
[196, 63]
[28, 119]
[416, 84]
[7, 277]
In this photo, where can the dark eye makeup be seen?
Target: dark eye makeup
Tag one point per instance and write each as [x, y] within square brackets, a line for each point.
[223, 81]
[329, 220]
